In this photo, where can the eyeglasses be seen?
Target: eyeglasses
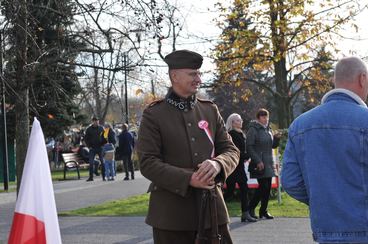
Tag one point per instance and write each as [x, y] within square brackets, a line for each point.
[194, 74]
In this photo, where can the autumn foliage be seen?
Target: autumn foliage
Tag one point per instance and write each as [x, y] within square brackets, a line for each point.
[285, 48]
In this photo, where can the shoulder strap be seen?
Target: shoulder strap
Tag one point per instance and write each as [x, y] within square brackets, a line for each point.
[155, 102]
[204, 100]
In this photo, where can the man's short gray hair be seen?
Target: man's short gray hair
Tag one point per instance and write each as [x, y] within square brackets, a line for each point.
[347, 69]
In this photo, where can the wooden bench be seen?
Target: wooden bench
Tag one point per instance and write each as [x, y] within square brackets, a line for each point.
[72, 161]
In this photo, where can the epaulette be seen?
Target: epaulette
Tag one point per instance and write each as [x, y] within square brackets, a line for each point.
[204, 100]
[155, 102]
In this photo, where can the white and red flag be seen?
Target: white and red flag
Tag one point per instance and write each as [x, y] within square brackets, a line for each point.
[35, 218]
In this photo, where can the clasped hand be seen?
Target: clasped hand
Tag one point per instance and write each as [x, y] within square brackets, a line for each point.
[204, 177]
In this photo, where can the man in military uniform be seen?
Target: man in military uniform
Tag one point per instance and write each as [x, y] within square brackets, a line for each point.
[184, 149]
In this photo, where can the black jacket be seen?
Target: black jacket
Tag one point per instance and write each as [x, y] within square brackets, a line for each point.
[94, 137]
[239, 140]
[126, 143]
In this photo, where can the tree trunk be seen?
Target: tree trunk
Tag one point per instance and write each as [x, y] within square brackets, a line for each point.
[282, 100]
[279, 61]
[22, 132]
[22, 104]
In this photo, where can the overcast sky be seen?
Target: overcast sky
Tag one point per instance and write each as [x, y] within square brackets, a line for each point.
[200, 21]
[202, 13]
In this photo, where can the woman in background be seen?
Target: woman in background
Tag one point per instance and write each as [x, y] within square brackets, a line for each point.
[234, 125]
[260, 142]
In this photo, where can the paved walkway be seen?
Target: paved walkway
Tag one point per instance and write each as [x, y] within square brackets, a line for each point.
[75, 194]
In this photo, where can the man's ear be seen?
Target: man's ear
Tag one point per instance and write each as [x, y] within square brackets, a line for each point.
[173, 76]
[362, 79]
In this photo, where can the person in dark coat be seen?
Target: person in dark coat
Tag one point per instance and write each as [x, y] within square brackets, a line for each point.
[185, 151]
[234, 124]
[260, 142]
[94, 140]
[125, 150]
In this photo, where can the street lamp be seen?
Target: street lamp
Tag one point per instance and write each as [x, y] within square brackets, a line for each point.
[125, 64]
[126, 70]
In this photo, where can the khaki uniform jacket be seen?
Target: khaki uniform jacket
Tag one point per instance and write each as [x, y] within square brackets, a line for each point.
[170, 143]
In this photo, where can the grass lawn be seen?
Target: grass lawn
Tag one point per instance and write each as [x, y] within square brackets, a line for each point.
[132, 206]
[70, 175]
[137, 206]
[289, 207]
[12, 186]
[55, 175]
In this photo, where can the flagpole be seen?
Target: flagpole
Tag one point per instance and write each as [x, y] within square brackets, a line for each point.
[3, 112]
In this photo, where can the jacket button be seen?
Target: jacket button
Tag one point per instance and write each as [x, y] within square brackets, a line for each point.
[195, 154]
[155, 188]
[189, 124]
[193, 139]
[185, 110]
[176, 190]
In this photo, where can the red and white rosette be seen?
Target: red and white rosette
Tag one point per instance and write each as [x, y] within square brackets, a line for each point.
[203, 124]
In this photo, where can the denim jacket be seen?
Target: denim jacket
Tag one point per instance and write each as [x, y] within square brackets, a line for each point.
[325, 166]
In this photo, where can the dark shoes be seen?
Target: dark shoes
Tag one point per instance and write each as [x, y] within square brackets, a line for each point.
[265, 215]
[247, 217]
[127, 177]
[89, 179]
[252, 214]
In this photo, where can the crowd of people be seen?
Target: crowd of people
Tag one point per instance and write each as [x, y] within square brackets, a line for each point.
[101, 141]
[99, 146]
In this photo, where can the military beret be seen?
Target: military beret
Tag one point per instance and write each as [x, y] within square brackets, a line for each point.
[184, 59]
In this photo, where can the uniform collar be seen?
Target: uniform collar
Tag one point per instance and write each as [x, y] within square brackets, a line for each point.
[180, 103]
[344, 91]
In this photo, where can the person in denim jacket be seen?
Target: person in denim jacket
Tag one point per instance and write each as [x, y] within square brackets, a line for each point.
[326, 158]
[109, 154]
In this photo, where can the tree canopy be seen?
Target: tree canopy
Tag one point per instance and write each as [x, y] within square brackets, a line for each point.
[52, 85]
[52, 46]
[284, 48]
